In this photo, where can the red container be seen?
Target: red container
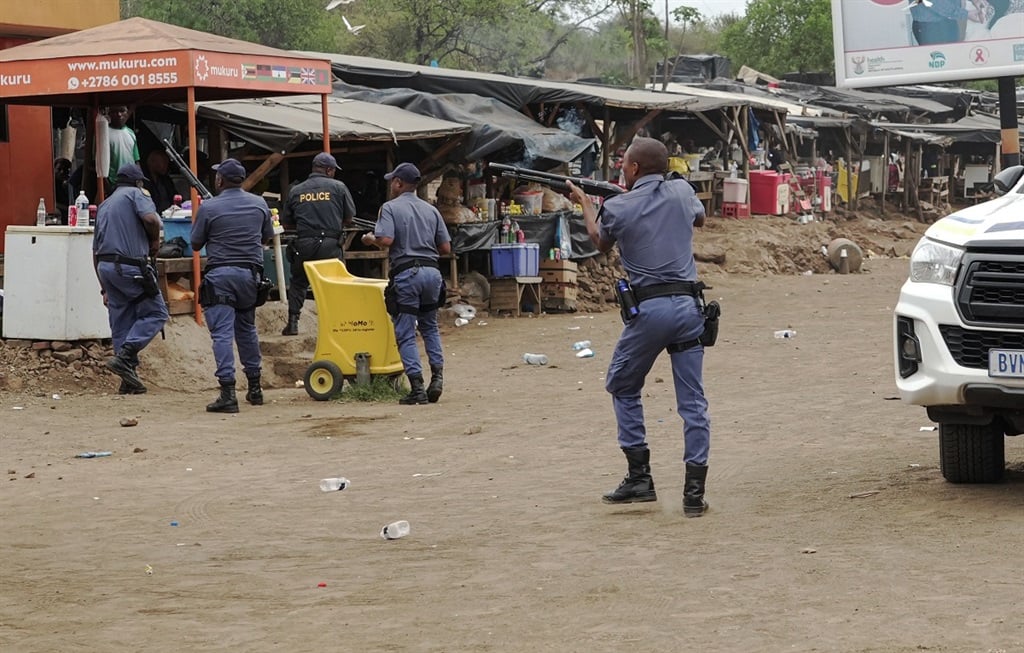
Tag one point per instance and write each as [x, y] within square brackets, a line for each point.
[769, 193]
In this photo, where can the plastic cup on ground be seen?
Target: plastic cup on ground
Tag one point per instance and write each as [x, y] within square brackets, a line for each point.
[333, 484]
[785, 333]
[395, 530]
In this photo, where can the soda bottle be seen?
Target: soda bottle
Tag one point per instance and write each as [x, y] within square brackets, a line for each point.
[535, 359]
[395, 530]
[333, 484]
[582, 344]
[41, 213]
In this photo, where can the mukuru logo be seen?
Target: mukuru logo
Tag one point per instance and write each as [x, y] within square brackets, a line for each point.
[938, 60]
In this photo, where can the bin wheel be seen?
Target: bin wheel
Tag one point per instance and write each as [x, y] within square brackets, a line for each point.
[323, 380]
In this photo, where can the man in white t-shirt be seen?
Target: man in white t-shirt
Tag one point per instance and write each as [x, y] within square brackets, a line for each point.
[124, 146]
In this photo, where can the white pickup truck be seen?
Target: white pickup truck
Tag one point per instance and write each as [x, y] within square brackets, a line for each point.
[959, 331]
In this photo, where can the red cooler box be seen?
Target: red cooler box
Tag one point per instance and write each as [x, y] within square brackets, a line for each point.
[769, 193]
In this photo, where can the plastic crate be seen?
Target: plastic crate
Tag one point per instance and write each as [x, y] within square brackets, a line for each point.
[515, 260]
[174, 227]
[735, 210]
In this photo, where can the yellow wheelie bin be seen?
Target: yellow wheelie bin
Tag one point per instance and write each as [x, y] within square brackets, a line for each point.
[351, 320]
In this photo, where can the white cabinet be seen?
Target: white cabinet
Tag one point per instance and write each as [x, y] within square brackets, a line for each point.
[50, 287]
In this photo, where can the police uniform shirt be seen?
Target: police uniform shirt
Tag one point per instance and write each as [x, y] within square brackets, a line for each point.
[119, 228]
[415, 225]
[233, 226]
[653, 226]
[321, 204]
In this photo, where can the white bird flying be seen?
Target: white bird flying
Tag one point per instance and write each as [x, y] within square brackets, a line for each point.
[352, 28]
[337, 3]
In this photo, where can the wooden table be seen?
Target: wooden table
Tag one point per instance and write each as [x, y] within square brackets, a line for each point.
[507, 294]
[172, 270]
[704, 183]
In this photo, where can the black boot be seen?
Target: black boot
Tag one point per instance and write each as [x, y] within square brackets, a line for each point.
[694, 504]
[637, 486]
[123, 365]
[254, 394]
[436, 383]
[292, 328]
[417, 395]
[125, 389]
[227, 402]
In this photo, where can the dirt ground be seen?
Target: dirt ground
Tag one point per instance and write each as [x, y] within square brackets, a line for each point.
[831, 528]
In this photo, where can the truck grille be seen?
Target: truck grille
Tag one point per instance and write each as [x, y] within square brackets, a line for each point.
[969, 347]
[991, 289]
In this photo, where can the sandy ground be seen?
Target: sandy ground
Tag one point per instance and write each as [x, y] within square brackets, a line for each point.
[830, 527]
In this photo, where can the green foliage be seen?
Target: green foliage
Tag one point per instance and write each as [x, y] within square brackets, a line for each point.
[380, 389]
[781, 36]
[285, 24]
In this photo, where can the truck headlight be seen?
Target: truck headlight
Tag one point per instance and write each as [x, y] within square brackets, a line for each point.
[934, 262]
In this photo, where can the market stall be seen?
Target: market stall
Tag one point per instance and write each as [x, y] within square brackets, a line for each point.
[139, 62]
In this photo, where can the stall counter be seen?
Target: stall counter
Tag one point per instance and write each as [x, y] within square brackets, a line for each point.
[50, 287]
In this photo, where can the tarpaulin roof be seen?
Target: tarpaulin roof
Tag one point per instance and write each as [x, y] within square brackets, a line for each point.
[514, 91]
[740, 97]
[274, 123]
[499, 133]
[970, 129]
[140, 61]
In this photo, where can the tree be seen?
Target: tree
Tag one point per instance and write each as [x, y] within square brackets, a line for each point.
[684, 16]
[782, 36]
[285, 24]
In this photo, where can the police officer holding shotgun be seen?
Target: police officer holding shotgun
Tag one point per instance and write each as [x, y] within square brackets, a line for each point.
[127, 234]
[663, 310]
[233, 226]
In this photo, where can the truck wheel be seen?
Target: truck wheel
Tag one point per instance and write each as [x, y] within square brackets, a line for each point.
[972, 453]
[323, 380]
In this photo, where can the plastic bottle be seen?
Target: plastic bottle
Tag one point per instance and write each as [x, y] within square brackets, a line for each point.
[81, 210]
[41, 213]
[461, 321]
[582, 344]
[506, 227]
[785, 333]
[535, 359]
[395, 530]
[586, 352]
[333, 484]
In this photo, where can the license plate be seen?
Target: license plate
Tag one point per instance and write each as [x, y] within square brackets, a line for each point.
[1006, 363]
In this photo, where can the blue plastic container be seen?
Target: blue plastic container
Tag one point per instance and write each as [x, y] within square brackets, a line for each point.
[515, 260]
[174, 227]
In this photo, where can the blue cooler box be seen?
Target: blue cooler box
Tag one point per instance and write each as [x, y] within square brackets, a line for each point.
[515, 260]
[174, 227]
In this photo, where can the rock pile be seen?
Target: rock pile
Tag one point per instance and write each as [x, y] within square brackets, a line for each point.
[54, 366]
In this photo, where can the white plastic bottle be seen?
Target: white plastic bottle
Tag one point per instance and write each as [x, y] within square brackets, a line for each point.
[582, 344]
[395, 530]
[535, 359]
[334, 484]
[41, 213]
[81, 210]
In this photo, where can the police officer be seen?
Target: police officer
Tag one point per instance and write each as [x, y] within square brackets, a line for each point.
[317, 209]
[416, 235]
[127, 233]
[233, 226]
[653, 225]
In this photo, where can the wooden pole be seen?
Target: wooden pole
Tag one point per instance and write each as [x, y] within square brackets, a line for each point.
[326, 121]
[193, 160]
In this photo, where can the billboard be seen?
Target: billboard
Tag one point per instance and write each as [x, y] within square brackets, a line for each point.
[892, 42]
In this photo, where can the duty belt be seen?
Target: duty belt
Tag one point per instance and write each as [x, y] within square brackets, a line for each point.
[140, 262]
[413, 263]
[247, 266]
[692, 288]
[318, 234]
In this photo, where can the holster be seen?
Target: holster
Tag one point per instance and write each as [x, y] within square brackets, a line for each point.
[711, 312]
[149, 282]
[391, 298]
[207, 295]
[263, 287]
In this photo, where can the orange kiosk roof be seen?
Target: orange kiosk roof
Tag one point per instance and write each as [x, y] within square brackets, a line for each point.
[141, 61]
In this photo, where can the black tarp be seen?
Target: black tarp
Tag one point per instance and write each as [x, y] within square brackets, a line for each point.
[499, 133]
[540, 229]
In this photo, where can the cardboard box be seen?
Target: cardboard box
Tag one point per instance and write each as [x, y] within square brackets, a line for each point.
[558, 276]
[558, 291]
[557, 305]
[504, 295]
[551, 264]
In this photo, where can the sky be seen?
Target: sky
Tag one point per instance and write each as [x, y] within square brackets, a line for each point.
[706, 7]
